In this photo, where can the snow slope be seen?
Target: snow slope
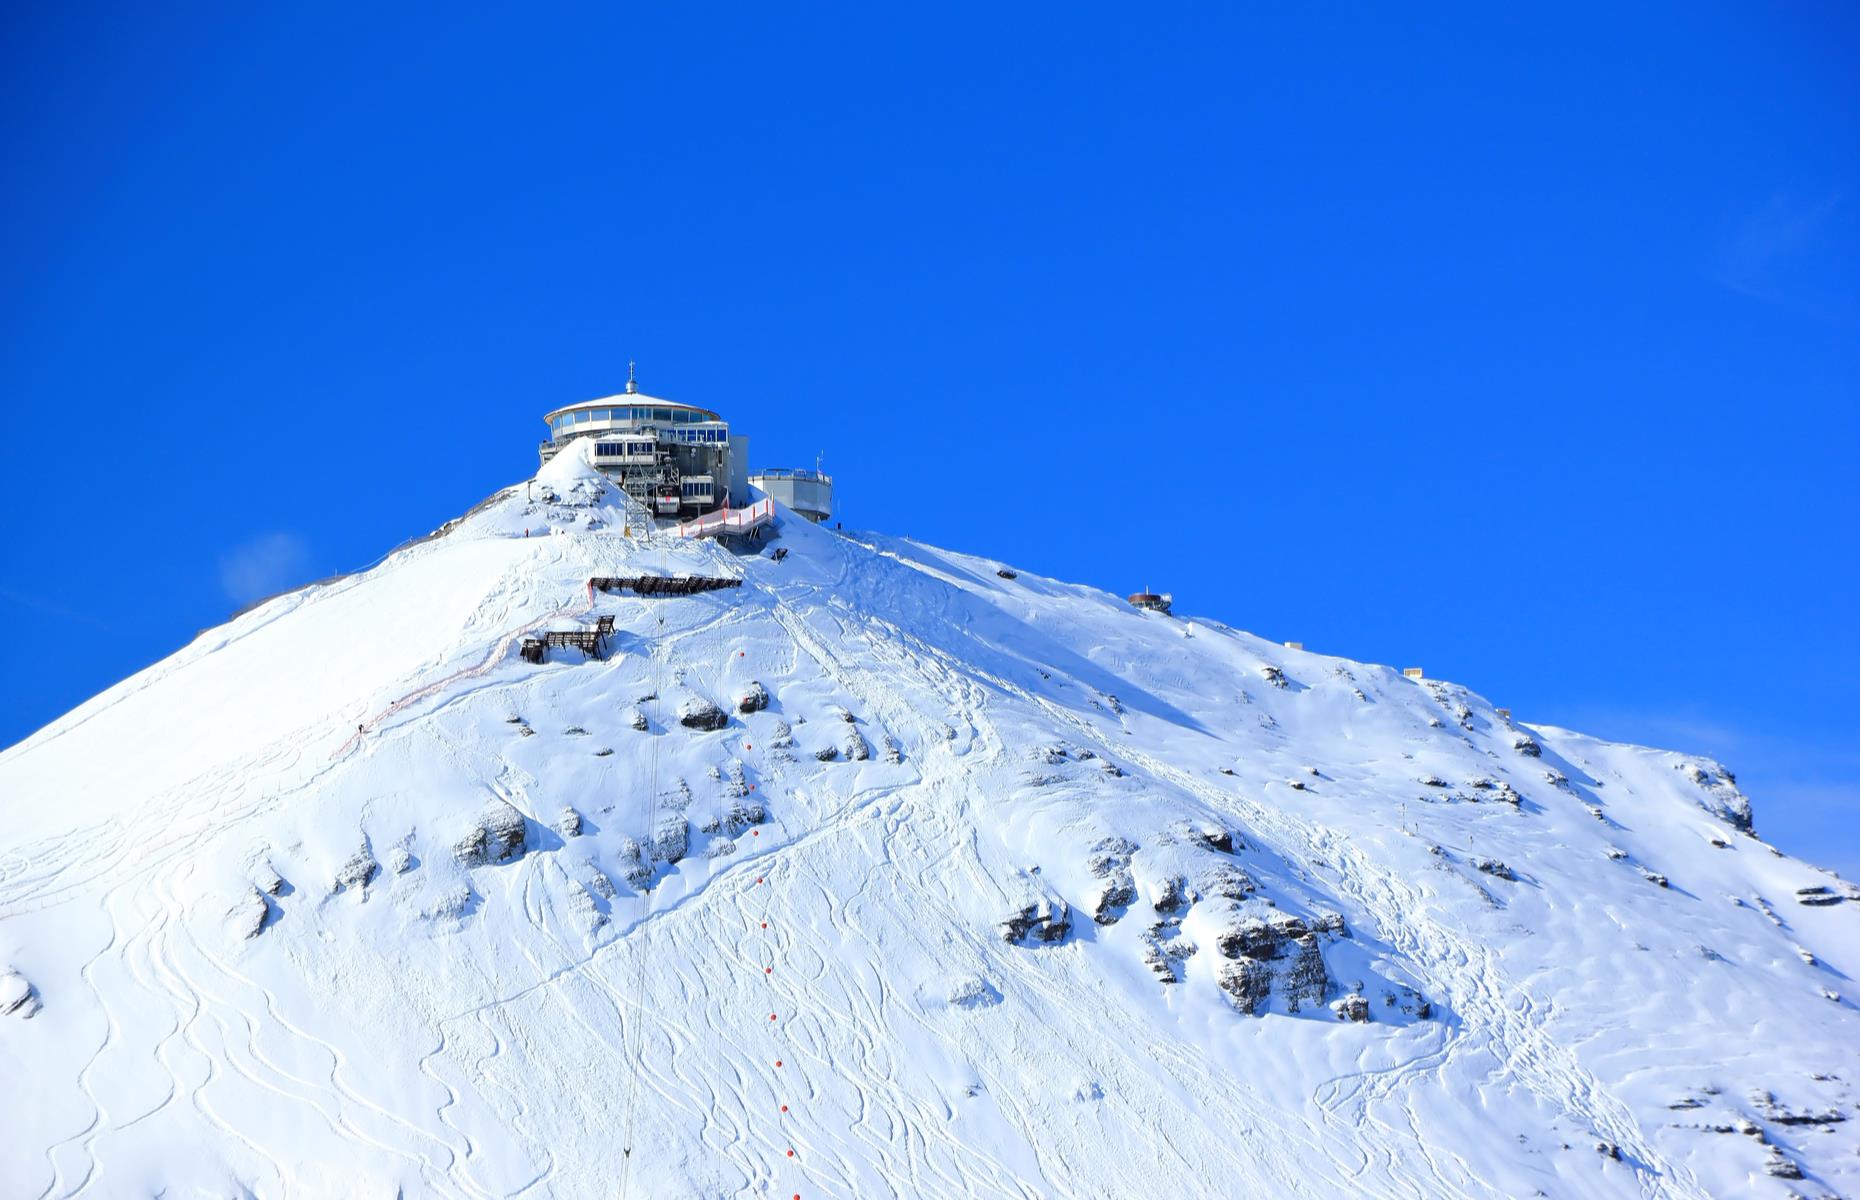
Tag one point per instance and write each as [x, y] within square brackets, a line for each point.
[1009, 890]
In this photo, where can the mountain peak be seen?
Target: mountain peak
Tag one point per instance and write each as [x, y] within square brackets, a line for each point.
[887, 871]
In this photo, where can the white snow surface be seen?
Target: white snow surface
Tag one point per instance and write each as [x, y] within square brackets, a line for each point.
[258, 952]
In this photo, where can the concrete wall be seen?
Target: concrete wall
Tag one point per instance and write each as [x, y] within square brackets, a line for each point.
[738, 477]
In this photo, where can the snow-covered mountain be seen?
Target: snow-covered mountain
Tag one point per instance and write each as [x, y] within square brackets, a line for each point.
[888, 873]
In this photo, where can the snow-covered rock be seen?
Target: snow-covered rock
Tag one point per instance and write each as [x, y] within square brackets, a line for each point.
[755, 698]
[356, 871]
[699, 713]
[246, 916]
[497, 834]
[18, 998]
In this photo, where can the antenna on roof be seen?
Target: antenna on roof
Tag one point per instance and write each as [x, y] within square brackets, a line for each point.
[632, 378]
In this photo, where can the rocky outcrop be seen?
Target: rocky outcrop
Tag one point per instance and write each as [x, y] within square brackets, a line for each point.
[755, 698]
[1353, 1007]
[827, 753]
[1171, 895]
[1777, 1113]
[1780, 1166]
[266, 879]
[245, 919]
[1306, 981]
[631, 860]
[496, 835]
[739, 815]
[1221, 841]
[1247, 983]
[1019, 923]
[854, 746]
[358, 872]
[569, 823]
[1109, 856]
[1224, 881]
[699, 713]
[1527, 745]
[1494, 868]
[1721, 796]
[18, 998]
[671, 839]
[1276, 949]
[1328, 922]
[1165, 949]
[1045, 920]
[1115, 894]
[1259, 937]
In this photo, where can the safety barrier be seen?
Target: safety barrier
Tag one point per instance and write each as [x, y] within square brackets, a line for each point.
[731, 521]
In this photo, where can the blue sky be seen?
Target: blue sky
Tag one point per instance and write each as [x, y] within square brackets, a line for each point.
[1522, 346]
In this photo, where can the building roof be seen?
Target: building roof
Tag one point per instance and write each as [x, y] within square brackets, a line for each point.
[630, 400]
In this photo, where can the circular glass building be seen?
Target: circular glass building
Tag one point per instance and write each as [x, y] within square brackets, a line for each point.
[678, 459]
